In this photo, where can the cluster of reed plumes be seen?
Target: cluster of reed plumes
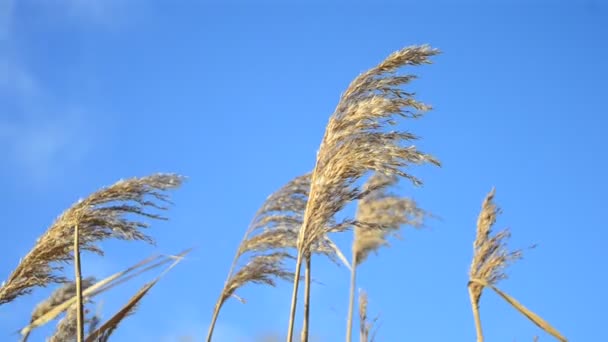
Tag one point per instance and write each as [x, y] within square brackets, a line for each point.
[362, 157]
[359, 160]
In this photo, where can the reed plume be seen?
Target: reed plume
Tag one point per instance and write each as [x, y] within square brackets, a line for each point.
[66, 329]
[269, 240]
[490, 259]
[355, 142]
[367, 328]
[57, 297]
[380, 214]
[104, 214]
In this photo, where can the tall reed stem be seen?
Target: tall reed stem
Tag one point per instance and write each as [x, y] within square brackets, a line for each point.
[307, 278]
[351, 300]
[78, 280]
[216, 312]
[475, 307]
[294, 297]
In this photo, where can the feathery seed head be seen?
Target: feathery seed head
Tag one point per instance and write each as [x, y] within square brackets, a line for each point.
[356, 140]
[102, 215]
[380, 214]
[491, 255]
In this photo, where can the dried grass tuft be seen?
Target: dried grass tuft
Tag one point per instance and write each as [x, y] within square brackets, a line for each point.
[104, 214]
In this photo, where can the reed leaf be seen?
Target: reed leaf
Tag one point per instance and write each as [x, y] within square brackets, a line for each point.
[92, 291]
[103, 333]
[536, 319]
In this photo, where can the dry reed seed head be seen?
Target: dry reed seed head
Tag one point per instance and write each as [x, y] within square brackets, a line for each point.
[272, 234]
[291, 197]
[487, 218]
[364, 325]
[285, 238]
[414, 55]
[278, 221]
[60, 295]
[491, 255]
[362, 306]
[261, 269]
[67, 327]
[281, 212]
[104, 214]
[356, 142]
[367, 328]
[384, 214]
[279, 238]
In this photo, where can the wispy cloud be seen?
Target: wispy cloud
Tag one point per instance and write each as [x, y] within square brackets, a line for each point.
[41, 144]
[41, 134]
[229, 333]
[105, 14]
[6, 18]
[15, 80]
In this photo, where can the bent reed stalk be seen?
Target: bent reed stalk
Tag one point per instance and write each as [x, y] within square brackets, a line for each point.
[356, 142]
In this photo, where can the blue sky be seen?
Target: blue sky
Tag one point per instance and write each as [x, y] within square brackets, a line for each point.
[237, 97]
